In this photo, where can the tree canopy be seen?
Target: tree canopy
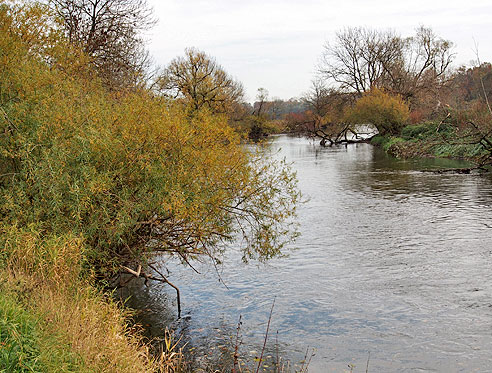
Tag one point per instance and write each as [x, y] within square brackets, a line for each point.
[363, 58]
[110, 32]
[199, 81]
[389, 113]
[129, 172]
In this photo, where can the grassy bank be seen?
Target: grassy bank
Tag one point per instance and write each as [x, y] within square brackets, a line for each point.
[429, 139]
[53, 320]
[71, 185]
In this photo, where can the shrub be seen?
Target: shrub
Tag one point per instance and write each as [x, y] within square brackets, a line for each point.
[379, 140]
[91, 179]
[415, 131]
[392, 146]
[387, 112]
[109, 167]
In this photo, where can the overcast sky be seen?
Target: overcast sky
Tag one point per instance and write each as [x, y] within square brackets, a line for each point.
[276, 44]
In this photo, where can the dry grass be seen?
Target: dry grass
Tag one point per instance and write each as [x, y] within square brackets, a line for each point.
[78, 328]
[171, 358]
[94, 328]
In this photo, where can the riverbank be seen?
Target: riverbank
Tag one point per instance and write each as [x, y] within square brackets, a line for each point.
[53, 319]
[95, 180]
[430, 139]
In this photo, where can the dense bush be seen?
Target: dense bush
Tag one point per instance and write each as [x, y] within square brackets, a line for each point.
[123, 169]
[416, 131]
[387, 112]
[426, 130]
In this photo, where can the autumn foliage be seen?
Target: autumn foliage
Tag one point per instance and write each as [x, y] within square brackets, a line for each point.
[121, 174]
[387, 112]
[112, 166]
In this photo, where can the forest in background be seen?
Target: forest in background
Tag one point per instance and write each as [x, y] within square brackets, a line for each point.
[408, 88]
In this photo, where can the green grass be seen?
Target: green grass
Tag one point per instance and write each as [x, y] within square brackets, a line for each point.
[53, 320]
[386, 142]
[427, 131]
[457, 151]
[19, 340]
[26, 347]
[428, 139]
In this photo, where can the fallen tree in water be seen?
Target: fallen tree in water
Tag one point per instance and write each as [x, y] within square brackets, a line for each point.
[330, 134]
[349, 134]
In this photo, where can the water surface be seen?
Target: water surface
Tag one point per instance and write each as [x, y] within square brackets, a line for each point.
[391, 261]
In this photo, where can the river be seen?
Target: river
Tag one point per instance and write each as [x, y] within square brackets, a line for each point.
[392, 262]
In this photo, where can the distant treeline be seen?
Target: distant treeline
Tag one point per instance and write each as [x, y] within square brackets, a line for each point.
[278, 109]
[392, 82]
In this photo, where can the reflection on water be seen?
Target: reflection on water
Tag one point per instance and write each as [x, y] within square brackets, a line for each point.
[391, 261]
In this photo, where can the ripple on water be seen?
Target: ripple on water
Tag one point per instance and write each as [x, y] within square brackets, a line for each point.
[391, 260]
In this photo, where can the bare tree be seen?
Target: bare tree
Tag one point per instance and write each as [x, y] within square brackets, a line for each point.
[357, 59]
[110, 32]
[363, 58]
[201, 82]
[317, 98]
[324, 117]
[424, 64]
[261, 101]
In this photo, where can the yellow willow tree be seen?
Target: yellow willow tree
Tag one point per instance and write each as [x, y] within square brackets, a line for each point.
[200, 82]
[130, 173]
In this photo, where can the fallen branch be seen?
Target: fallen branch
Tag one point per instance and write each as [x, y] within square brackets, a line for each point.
[139, 273]
[131, 271]
[457, 170]
[164, 279]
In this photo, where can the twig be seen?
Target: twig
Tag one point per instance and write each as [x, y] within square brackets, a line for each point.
[148, 277]
[172, 285]
[131, 271]
[12, 124]
[236, 347]
[218, 274]
[187, 261]
[304, 360]
[441, 122]
[368, 358]
[266, 337]
[276, 347]
[309, 361]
